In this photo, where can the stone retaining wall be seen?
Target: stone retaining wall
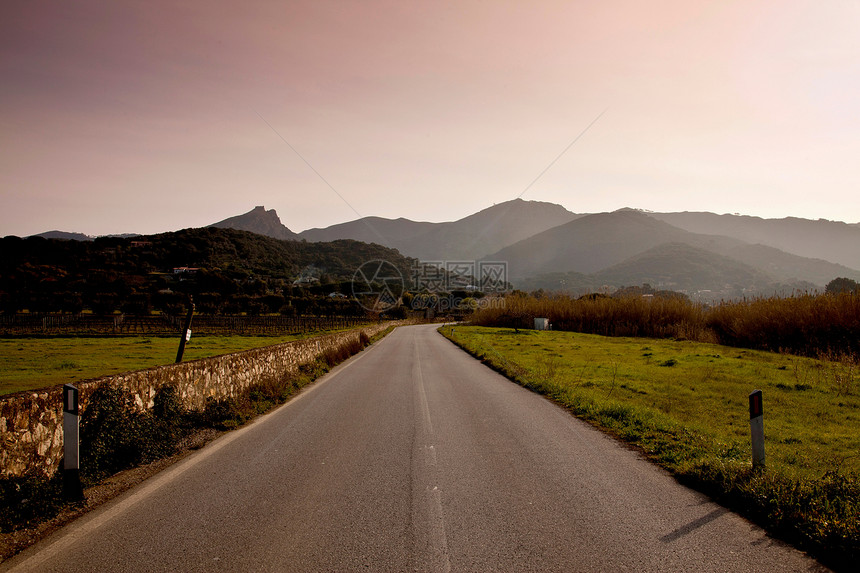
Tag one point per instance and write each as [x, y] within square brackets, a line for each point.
[31, 423]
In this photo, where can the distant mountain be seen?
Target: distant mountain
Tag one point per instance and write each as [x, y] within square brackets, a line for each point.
[588, 244]
[786, 267]
[392, 233]
[629, 247]
[486, 231]
[570, 281]
[259, 221]
[699, 273]
[64, 235]
[683, 267]
[469, 238]
[832, 241]
[547, 246]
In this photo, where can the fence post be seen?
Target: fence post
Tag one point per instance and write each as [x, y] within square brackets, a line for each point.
[72, 489]
[757, 428]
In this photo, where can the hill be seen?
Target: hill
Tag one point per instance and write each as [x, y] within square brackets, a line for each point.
[468, 238]
[671, 266]
[588, 244]
[832, 241]
[393, 233]
[65, 235]
[629, 247]
[683, 267]
[786, 267]
[226, 270]
[259, 221]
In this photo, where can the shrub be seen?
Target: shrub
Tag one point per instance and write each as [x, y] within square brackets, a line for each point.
[221, 414]
[109, 429]
[115, 435]
[337, 354]
[29, 500]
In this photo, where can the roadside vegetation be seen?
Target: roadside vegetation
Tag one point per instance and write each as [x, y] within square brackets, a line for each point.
[685, 405]
[826, 325]
[116, 436]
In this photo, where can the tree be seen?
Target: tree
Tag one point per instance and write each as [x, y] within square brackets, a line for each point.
[273, 302]
[842, 284]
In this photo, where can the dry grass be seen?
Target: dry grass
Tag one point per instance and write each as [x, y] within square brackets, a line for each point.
[823, 325]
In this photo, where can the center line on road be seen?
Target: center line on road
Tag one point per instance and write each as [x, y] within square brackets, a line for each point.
[439, 558]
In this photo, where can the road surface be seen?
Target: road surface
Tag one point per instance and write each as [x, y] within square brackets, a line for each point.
[412, 456]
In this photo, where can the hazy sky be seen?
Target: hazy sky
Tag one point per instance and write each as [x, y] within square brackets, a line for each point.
[153, 116]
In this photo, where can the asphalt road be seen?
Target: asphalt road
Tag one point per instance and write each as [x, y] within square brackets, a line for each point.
[412, 456]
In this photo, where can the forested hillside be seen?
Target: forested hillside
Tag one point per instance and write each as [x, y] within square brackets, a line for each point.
[225, 269]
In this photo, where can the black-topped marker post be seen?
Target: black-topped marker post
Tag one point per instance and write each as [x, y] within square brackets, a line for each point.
[72, 488]
[757, 428]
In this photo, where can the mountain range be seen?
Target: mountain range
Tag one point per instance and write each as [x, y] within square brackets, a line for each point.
[547, 246]
[596, 242]
[834, 241]
[466, 239]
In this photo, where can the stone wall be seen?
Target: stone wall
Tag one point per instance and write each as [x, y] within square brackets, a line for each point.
[31, 423]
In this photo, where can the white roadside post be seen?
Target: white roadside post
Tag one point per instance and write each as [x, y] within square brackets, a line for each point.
[757, 429]
[72, 488]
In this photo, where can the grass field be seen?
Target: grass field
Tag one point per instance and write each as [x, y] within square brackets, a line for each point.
[811, 417]
[31, 363]
[685, 404]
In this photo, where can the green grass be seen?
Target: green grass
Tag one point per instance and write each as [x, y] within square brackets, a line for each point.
[685, 404]
[31, 363]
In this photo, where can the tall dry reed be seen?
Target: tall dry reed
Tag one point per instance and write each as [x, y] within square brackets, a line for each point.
[809, 325]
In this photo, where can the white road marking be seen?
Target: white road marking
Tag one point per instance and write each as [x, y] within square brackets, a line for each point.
[439, 557]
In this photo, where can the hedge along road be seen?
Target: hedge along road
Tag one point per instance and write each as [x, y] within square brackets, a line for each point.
[412, 455]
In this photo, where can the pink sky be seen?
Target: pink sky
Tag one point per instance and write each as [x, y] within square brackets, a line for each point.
[146, 116]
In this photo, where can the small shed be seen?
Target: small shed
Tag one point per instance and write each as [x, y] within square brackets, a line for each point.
[541, 324]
